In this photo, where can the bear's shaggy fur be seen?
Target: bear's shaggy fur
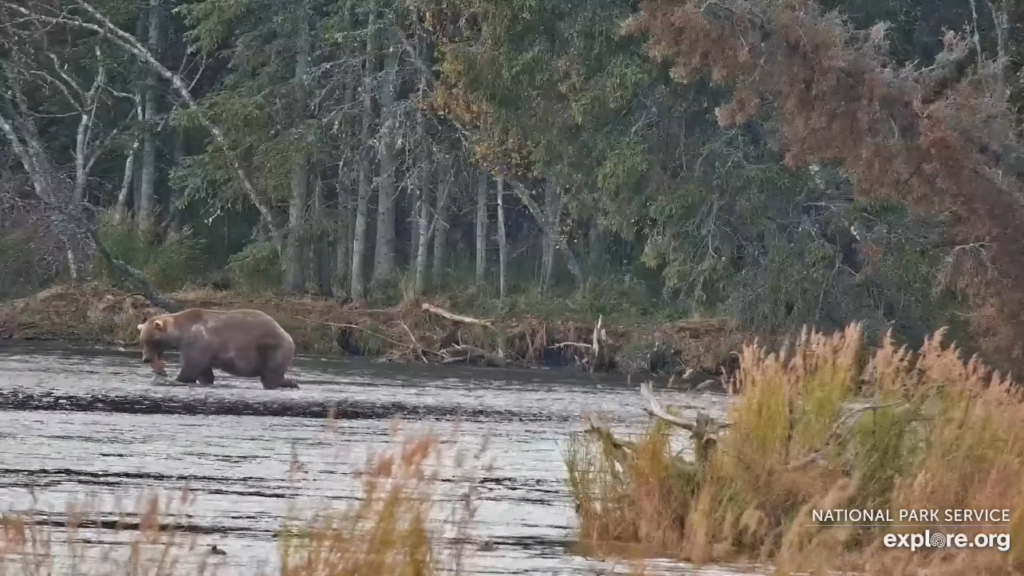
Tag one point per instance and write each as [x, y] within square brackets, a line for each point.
[245, 343]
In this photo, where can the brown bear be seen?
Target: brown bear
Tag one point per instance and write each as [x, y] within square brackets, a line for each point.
[245, 343]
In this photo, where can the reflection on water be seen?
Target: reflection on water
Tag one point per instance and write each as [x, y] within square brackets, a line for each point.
[79, 422]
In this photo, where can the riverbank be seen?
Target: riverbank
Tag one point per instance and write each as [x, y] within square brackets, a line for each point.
[416, 330]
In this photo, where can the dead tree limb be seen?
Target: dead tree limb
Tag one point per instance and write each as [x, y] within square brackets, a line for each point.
[415, 343]
[455, 317]
[132, 276]
[570, 258]
[654, 408]
[356, 327]
[622, 452]
[703, 430]
[465, 353]
[818, 456]
[618, 451]
[583, 345]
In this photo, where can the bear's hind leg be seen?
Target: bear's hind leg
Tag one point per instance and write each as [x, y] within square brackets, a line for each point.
[276, 361]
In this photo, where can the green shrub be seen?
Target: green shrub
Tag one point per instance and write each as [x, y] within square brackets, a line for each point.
[168, 265]
[257, 268]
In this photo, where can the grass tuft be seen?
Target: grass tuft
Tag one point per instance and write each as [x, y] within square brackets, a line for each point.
[937, 433]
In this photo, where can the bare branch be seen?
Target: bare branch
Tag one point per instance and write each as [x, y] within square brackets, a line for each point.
[654, 408]
[132, 45]
[817, 457]
[524, 195]
[60, 69]
[455, 317]
[88, 114]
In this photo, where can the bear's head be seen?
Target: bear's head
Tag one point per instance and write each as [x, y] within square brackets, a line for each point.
[156, 336]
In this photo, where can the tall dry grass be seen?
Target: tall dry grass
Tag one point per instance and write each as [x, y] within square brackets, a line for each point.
[396, 527]
[938, 433]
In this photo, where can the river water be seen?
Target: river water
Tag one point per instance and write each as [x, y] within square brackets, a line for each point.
[82, 422]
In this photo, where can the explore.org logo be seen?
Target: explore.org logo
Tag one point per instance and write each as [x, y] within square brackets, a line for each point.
[929, 539]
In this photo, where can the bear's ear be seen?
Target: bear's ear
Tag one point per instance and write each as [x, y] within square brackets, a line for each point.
[159, 324]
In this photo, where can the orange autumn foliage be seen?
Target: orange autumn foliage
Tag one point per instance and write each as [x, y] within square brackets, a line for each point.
[937, 138]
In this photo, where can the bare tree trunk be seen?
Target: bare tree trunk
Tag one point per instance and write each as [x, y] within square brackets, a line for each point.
[359, 239]
[132, 182]
[121, 212]
[481, 227]
[365, 165]
[384, 249]
[570, 259]
[441, 230]
[321, 248]
[1001, 20]
[342, 234]
[176, 215]
[552, 214]
[422, 252]
[502, 243]
[147, 191]
[87, 114]
[414, 228]
[121, 208]
[52, 190]
[423, 226]
[137, 190]
[294, 263]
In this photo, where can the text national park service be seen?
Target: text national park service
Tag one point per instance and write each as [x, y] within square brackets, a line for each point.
[993, 516]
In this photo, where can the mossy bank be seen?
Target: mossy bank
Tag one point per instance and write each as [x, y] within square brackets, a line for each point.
[413, 330]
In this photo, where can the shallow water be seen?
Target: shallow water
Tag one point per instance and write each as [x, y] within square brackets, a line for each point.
[79, 422]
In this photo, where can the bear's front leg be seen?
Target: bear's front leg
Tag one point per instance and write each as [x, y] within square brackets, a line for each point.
[206, 377]
[274, 381]
[186, 376]
[189, 374]
[195, 362]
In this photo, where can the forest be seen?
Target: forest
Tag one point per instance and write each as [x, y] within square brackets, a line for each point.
[779, 163]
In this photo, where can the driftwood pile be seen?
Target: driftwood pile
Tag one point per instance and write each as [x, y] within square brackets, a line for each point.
[429, 333]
